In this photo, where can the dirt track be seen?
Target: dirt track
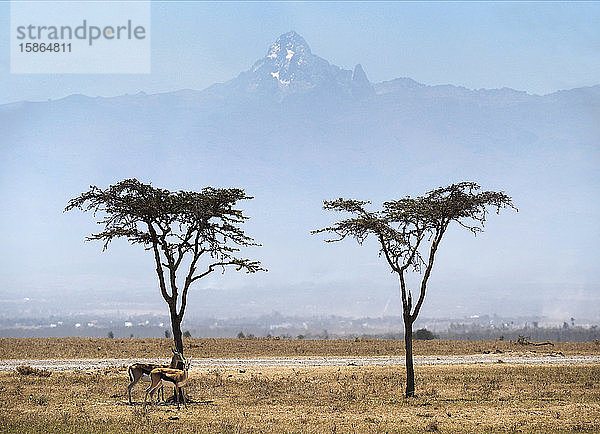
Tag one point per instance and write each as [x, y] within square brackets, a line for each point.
[92, 364]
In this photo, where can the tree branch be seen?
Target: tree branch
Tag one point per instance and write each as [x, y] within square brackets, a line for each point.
[432, 251]
[159, 269]
[393, 263]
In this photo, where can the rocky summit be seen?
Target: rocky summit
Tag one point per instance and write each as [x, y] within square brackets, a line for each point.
[290, 67]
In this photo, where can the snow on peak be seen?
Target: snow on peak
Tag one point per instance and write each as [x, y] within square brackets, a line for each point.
[290, 65]
[276, 76]
[284, 57]
[292, 42]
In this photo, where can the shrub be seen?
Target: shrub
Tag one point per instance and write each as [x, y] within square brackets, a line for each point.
[423, 335]
[28, 370]
[38, 400]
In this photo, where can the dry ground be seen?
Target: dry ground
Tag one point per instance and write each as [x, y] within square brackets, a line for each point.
[456, 398]
[104, 348]
[472, 398]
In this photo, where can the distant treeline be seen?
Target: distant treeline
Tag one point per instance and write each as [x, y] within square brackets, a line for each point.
[555, 334]
[298, 328]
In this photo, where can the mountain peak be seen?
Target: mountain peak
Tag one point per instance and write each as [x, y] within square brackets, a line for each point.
[287, 45]
[290, 67]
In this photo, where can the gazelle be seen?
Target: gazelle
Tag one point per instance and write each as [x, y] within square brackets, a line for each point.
[176, 376]
[139, 371]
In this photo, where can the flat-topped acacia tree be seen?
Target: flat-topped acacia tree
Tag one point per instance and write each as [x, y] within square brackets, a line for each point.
[190, 234]
[409, 232]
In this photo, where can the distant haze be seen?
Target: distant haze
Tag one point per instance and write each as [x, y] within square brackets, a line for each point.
[538, 47]
[294, 129]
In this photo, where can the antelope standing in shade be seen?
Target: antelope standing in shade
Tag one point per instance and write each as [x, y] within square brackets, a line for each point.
[176, 376]
[139, 371]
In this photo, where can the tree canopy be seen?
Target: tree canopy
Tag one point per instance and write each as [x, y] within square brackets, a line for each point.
[403, 226]
[196, 231]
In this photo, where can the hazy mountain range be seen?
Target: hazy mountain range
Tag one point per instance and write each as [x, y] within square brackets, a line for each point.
[293, 130]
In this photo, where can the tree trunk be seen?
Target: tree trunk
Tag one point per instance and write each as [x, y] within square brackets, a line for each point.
[177, 339]
[176, 327]
[410, 371]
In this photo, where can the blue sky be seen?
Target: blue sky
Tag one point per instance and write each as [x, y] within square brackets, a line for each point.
[539, 47]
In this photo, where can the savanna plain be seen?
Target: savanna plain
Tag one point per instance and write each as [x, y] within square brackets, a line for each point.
[494, 397]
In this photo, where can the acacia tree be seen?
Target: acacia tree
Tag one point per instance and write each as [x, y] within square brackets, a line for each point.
[409, 232]
[191, 234]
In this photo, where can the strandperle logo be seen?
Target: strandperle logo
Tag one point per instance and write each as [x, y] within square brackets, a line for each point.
[90, 33]
[80, 37]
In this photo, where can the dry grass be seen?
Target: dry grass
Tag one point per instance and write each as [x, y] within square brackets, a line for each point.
[77, 348]
[467, 398]
[476, 398]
